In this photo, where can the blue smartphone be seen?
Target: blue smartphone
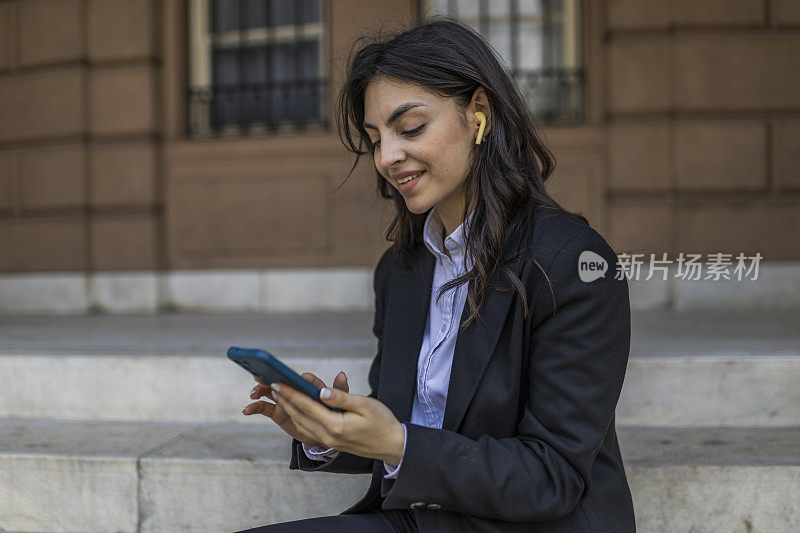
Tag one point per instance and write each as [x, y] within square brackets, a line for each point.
[266, 366]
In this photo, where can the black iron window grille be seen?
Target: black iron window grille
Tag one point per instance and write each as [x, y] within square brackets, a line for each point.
[256, 66]
[541, 44]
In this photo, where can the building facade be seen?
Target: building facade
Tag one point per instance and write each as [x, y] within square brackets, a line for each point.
[180, 136]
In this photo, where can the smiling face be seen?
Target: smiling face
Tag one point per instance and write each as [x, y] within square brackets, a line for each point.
[415, 130]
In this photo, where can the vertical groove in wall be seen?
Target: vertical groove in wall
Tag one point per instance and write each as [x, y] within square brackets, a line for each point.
[14, 181]
[595, 66]
[157, 44]
[16, 186]
[595, 32]
[87, 146]
[673, 205]
[14, 38]
[672, 193]
[770, 185]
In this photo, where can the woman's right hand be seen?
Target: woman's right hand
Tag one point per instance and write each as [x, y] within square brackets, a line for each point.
[278, 414]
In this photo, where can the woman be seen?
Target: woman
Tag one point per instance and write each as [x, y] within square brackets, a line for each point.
[502, 419]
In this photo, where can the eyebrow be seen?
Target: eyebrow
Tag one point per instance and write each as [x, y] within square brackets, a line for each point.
[396, 113]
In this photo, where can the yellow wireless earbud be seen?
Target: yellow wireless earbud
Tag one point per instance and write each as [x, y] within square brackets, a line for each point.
[481, 126]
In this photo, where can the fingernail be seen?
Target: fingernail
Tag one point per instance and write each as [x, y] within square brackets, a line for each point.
[254, 390]
[325, 393]
[275, 387]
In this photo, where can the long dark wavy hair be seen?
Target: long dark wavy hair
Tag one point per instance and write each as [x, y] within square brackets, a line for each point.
[508, 170]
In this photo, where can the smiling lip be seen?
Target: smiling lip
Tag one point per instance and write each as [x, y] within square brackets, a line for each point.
[405, 174]
[407, 186]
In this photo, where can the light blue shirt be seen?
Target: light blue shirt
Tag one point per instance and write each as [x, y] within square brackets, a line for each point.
[441, 331]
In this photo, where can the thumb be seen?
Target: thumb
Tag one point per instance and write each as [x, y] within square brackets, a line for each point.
[340, 382]
[340, 399]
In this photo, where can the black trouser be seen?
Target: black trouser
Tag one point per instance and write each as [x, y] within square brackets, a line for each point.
[379, 521]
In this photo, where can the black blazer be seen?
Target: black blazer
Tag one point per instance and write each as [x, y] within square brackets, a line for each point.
[528, 441]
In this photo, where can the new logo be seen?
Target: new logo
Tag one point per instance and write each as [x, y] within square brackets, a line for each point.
[591, 266]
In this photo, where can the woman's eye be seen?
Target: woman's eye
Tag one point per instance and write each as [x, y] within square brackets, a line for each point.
[413, 132]
[408, 133]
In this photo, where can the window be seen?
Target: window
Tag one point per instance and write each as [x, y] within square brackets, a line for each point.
[540, 42]
[256, 66]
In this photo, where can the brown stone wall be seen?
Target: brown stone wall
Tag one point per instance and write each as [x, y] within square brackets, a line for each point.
[691, 143]
[79, 136]
[276, 201]
[703, 123]
[272, 200]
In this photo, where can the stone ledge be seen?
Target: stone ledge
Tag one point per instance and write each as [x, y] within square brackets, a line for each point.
[658, 391]
[232, 291]
[695, 368]
[111, 476]
[225, 477]
[335, 290]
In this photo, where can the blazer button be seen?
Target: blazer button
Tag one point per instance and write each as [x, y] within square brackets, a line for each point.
[417, 505]
[434, 506]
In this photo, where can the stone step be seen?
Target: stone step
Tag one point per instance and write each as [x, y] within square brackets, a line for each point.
[711, 480]
[658, 391]
[135, 476]
[113, 476]
[770, 285]
[686, 369]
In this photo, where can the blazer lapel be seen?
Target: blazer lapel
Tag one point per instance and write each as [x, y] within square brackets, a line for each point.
[404, 326]
[476, 343]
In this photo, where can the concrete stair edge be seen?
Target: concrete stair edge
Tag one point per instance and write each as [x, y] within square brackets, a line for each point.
[658, 391]
[222, 477]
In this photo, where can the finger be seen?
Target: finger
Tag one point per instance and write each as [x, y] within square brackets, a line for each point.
[261, 390]
[308, 434]
[260, 408]
[318, 383]
[300, 418]
[321, 421]
[303, 403]
[340, 382]
[343, 400]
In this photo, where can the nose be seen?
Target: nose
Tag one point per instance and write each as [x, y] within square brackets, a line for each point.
[391, 152]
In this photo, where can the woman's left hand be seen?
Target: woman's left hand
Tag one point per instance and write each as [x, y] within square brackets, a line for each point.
[366, 428]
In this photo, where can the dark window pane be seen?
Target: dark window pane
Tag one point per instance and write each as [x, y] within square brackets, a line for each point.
[282, 13]
[225, 15]
[258, 83]
[226, 108]
[299, 11]
[248, 94]
[296, 95]
[230, 15]
[226, 66]
[310, 10]
[529, 37]
[255, 64]
[255, 13]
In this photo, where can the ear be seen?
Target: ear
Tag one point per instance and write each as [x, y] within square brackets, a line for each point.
[480, 102]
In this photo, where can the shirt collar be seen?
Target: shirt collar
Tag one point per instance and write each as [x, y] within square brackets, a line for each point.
[455, 242]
